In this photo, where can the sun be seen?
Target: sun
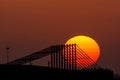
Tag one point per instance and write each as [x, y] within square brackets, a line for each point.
[87, 50]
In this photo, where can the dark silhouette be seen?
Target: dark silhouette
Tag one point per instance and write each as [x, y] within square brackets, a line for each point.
[59, 69]
[26, 72]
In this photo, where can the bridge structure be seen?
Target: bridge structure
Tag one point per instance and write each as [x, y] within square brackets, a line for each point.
[62, 57]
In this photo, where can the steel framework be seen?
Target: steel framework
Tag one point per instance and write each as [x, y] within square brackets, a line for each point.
[63, 57]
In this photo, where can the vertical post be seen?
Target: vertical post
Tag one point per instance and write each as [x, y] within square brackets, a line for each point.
[67, 57]
[72, 57]
[52, 56]
[62, 55]
[56, 49]
[7, 54]
[75, 57]
[70, 62]
[59, 56]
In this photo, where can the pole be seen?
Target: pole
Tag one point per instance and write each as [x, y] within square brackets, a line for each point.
[7, 54]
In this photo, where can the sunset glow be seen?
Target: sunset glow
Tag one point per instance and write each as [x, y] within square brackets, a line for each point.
[85, 45]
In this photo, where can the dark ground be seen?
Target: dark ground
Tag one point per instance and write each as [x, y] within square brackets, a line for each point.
[27, 72]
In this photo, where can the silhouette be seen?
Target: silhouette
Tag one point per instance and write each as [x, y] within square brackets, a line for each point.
[59, 69]
[25, 72]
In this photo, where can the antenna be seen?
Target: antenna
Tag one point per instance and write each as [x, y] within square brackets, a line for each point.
[7, 54]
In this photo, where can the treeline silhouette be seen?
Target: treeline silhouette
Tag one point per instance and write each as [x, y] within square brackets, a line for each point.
[27, 72]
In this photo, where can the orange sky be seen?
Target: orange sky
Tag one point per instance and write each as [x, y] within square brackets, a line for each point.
[30, 25]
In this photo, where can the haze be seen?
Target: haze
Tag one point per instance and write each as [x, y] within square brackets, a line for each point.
[27, 26]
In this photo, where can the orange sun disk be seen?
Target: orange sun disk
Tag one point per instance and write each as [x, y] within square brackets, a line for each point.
[87, 50]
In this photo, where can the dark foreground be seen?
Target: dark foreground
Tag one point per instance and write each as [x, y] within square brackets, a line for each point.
[15, 72]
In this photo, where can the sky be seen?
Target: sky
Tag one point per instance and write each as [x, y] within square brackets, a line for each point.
[27, 26]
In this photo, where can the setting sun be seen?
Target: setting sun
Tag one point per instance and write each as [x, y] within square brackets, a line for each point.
[87, 50]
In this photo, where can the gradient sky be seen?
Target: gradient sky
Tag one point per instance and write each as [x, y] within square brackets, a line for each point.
[27, 26]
